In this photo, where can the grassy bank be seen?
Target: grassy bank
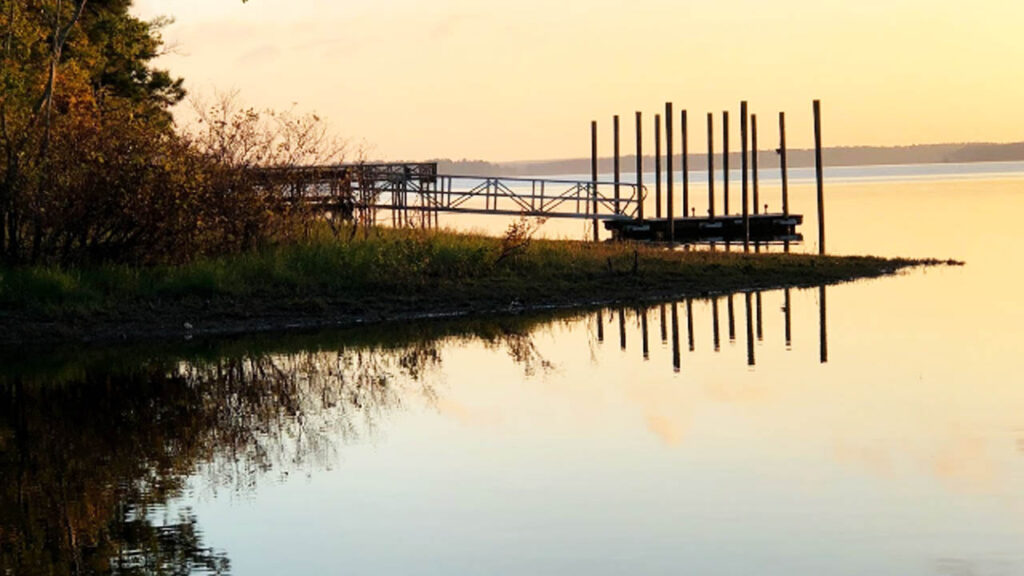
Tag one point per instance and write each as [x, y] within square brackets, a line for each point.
[393, 274]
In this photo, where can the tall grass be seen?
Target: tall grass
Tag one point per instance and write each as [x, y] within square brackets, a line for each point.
[397, 261]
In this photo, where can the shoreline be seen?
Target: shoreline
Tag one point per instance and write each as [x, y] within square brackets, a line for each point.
[187, 319]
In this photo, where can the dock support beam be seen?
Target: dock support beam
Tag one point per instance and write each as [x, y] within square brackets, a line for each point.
[743, 165]
[783, 167]
[593, 173]
[711, 165]
[669, 192]
[725, 163]
[820, 173]
[753, 162]
[657, 165]
[686, 163]
[616, 166]
[639, 166]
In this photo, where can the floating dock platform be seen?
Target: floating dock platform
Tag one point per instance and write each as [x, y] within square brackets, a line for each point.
[763, 228]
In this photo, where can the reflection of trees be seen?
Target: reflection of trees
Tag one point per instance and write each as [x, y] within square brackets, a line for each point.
[95, 451]
[90, 465]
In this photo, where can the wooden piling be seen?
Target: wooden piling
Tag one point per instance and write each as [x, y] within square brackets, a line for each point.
[615, 162]
[820, 172]
[783, 167]
[711, 165]
[640, 166]
[600, 325]
[743, 177]
[685, 153]
[725, 162]
[753, 162]
[657, 165]
[593, 173]
[669, 192]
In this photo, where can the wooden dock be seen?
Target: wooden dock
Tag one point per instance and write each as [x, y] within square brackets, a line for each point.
[763, 228]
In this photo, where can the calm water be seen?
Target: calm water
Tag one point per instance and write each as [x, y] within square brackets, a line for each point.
[868, 428]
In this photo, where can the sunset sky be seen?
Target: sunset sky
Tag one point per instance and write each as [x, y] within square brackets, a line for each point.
[502, 80]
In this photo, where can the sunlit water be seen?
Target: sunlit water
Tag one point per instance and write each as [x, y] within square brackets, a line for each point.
[880, 431]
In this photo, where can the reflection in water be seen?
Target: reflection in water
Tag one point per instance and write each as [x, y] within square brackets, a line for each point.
[823, 322]
[689, 323]
[715, 332]
[751, 361]
[676, 357]
[753, 304]
[787, 308]
[732, 320]
[647, 342]
[94, 455]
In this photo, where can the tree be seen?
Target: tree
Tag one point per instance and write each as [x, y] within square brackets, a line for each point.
[65, 64]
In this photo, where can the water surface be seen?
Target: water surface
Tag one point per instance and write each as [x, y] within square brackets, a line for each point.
[868, 428]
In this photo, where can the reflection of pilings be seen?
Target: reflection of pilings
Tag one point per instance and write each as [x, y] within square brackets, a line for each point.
[600, 326]
[789, 320]
[664, 327]
[716, 333]
[676, 362]
[689, 322]
[750, 331]
[643, 328]
[622, 328]
[823, 320]
[732, 320]
[760, 330]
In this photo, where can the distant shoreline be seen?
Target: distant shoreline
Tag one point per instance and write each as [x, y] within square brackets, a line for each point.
[968, 153]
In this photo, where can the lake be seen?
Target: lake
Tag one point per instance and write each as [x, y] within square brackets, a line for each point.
[874, 427]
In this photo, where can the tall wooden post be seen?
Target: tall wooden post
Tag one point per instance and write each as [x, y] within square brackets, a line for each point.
[784, 169]
[657, 165]
[593, 173]
[725, 162]
[753, 161]
[669, 192]
[686, 164]
[711, 165]
[743, 165]
[600, 325]
[820, 172]
[639, 166]
[615, 162]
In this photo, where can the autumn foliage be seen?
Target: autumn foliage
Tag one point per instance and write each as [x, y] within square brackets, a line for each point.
[92, 167]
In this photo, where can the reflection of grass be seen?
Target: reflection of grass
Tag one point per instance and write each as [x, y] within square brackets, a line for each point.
[409, 271]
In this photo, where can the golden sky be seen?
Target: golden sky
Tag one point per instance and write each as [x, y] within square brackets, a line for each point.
[504, 80]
